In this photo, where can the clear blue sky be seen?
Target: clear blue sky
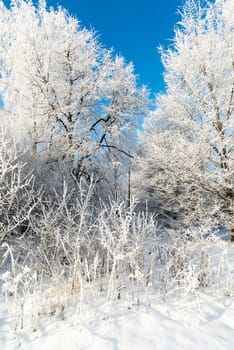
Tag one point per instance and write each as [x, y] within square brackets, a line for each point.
[134, 28]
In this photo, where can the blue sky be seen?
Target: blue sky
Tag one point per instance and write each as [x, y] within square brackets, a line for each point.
[134, 28]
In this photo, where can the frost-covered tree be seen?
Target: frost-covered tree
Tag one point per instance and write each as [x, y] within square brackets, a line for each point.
[69, 95]
[189, 157]
[18, 198]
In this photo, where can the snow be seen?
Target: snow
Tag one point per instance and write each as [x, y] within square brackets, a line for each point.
[195, 319]
[202, 322]
[182, 316]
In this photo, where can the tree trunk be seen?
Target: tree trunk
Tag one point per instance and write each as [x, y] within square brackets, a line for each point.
[230, 206]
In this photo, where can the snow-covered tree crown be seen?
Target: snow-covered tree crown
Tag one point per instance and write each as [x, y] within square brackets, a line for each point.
[72, 96]
[192, 129]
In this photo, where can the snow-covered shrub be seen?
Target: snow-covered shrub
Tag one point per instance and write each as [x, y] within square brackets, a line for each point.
[124, 238]
[79, 251]
[193, 261]
[17, 196]
[18, 283]
[61, 233]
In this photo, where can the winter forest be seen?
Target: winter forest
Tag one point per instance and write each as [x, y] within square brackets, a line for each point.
[113, 202]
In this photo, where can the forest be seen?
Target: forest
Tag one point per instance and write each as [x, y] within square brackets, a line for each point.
[106, 193]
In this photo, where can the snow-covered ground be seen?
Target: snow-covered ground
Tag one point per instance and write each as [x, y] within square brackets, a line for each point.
[205, 323]
[201, 320]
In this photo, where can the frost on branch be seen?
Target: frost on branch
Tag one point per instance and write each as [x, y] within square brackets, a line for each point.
[187, 157]
[70, 98]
